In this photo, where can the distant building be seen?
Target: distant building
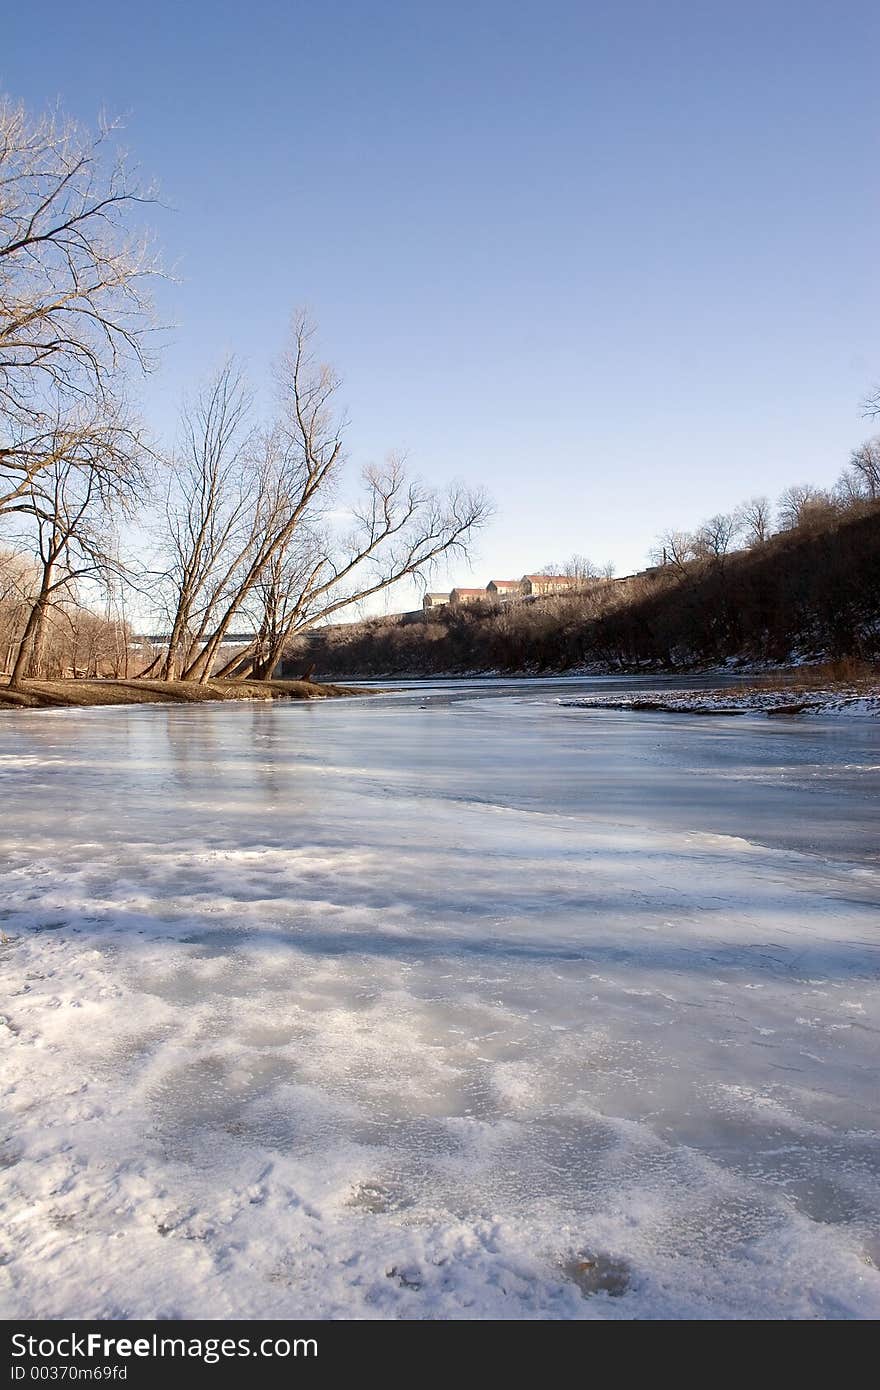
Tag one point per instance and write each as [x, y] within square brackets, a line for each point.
[435, 601]
[533, 584]
[502, 588]
[466, 595]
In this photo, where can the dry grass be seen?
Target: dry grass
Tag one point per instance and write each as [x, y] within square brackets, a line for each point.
[848, 671]
[50, 694]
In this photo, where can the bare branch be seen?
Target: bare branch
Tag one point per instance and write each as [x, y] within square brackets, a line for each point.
[74, 302]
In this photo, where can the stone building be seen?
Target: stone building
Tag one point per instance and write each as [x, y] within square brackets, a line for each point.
[534, 584]
[505, 588]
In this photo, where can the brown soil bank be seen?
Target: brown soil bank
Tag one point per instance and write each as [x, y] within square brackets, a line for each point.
[49, 694]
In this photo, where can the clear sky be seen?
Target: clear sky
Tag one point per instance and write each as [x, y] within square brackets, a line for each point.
[617, 261]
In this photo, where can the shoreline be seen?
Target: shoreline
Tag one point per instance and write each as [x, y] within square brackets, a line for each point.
[790, 692]
[89, 694]
[788, 674]
[773, 702]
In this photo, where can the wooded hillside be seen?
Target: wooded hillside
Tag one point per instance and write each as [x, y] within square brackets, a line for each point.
[812, 591]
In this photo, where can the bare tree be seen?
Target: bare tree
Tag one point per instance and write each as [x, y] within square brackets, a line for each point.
[756, 520]
[74, 308]
[400, 529]
[864, 468]
[676, 550]
[18, 586]
[802, 505]
[715, 538]
[72, 289]
[280, 606]
[74, 314]
[75, 640]
[281, 558]
[68, 517]
[212, 510]
[581, 568]
[92, 645]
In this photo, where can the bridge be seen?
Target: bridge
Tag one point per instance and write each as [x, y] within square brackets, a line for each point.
[161, 639]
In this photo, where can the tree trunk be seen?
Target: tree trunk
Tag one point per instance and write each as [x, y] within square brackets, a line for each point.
[266, 665]
[142, 675]
[26, 645]
[31, 644]
[231, 669]
[242, 670]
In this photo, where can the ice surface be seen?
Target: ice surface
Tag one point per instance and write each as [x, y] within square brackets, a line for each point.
[490, 1008]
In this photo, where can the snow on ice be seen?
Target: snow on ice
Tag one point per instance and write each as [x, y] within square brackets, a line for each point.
[483, 1009]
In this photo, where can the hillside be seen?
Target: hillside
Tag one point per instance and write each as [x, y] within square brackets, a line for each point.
[810, 593]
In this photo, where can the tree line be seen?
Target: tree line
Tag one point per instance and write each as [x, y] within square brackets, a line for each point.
[801, 507]
[807, 587]
[250, 520]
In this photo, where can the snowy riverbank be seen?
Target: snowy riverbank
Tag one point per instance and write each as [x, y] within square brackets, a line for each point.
[854, 701]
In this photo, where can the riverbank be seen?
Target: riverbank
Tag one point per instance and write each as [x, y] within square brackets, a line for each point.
[861, 698]
[809, 593]
[82, 693]
[827, 675]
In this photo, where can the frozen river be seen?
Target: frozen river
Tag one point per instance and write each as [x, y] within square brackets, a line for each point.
[451, 1002]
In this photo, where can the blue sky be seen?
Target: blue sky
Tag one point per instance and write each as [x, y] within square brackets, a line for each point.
[616, 261]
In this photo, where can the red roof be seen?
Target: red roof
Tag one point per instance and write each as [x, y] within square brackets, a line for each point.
[469, 591]
[509, 583]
